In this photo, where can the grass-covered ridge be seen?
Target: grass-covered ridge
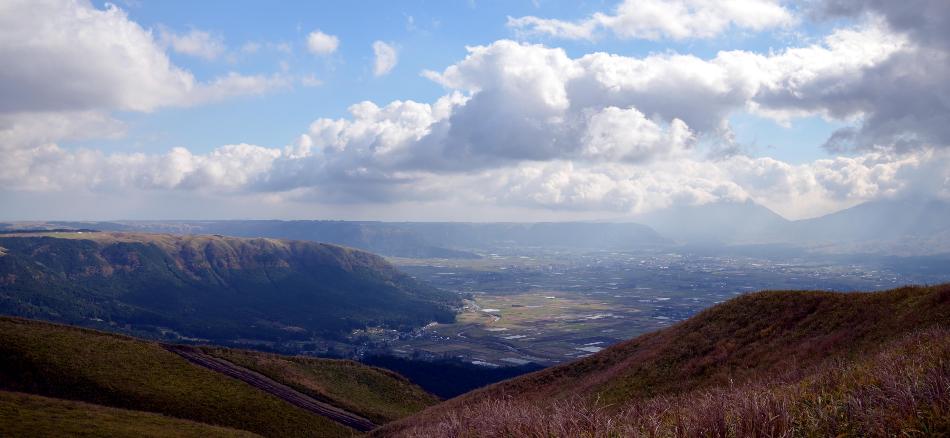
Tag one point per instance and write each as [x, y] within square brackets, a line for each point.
[211, 287]
[753, 345]
[377, 394]
[39, 417]
[113, 370]
[117, 371]
[901, 389]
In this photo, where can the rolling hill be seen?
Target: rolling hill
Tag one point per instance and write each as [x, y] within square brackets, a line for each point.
[210, 287]
[374, 393]
[779, 363]
[36, 416]
[63, 378]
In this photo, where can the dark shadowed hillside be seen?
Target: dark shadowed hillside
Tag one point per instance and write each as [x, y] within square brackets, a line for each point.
[777, 348]
[447, 378]
[210, 287]
[30, 415]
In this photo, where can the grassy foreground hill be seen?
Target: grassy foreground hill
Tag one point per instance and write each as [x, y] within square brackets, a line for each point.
[377, 394]
[143, 379]
[763, 364]
[211, 287]
[25, 415]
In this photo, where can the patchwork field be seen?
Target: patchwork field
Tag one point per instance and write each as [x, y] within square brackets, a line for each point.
[550, 307]
[543, 327]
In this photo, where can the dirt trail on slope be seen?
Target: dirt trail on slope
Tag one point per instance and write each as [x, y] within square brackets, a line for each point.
[273, 387]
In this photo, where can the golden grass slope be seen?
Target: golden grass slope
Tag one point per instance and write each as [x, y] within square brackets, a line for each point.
[113, 370]
[903, 389]
[377, 394]
[758, 337]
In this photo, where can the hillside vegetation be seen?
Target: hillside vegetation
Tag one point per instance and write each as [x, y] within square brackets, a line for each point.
[769, 363]
[25, 415]
[117, 371]
[210, 287]
[377, 394]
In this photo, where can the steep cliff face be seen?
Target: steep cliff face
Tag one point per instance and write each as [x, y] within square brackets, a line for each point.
[211, 286]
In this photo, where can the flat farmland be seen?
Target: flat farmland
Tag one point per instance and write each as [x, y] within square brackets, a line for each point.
[544, 327]
[553, 306]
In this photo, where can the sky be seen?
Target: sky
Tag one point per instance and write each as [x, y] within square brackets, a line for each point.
[468, 110]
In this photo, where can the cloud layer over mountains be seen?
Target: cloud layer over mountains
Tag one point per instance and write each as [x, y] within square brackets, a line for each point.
[520, 124]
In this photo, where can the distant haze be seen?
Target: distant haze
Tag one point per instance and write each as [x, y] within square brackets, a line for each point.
[907, 227]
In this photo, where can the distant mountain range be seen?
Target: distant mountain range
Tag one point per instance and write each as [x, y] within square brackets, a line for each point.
[898, 227]
[718, 223]
[902, 227]
[211, 287]
[769, 363]
[450, 240]
[879, 220]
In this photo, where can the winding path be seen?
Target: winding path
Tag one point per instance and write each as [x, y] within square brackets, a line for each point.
[272, 387]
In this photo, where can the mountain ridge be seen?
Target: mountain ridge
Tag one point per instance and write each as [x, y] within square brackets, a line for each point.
[874, 227]
[870, 227]
[212, 287]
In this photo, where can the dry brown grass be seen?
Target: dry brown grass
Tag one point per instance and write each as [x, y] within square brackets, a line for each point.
[759, 346]
[903, 390]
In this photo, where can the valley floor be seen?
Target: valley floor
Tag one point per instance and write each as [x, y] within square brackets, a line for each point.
[549, 307]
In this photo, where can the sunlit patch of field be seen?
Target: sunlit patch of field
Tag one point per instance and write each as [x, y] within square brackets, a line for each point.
[538, 326]
[488, 262]
[529, 310]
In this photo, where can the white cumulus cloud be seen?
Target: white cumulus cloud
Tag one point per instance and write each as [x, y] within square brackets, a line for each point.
[319, 43]
[657, 19]
[519, 125]
[385, 58]
[69, 65]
